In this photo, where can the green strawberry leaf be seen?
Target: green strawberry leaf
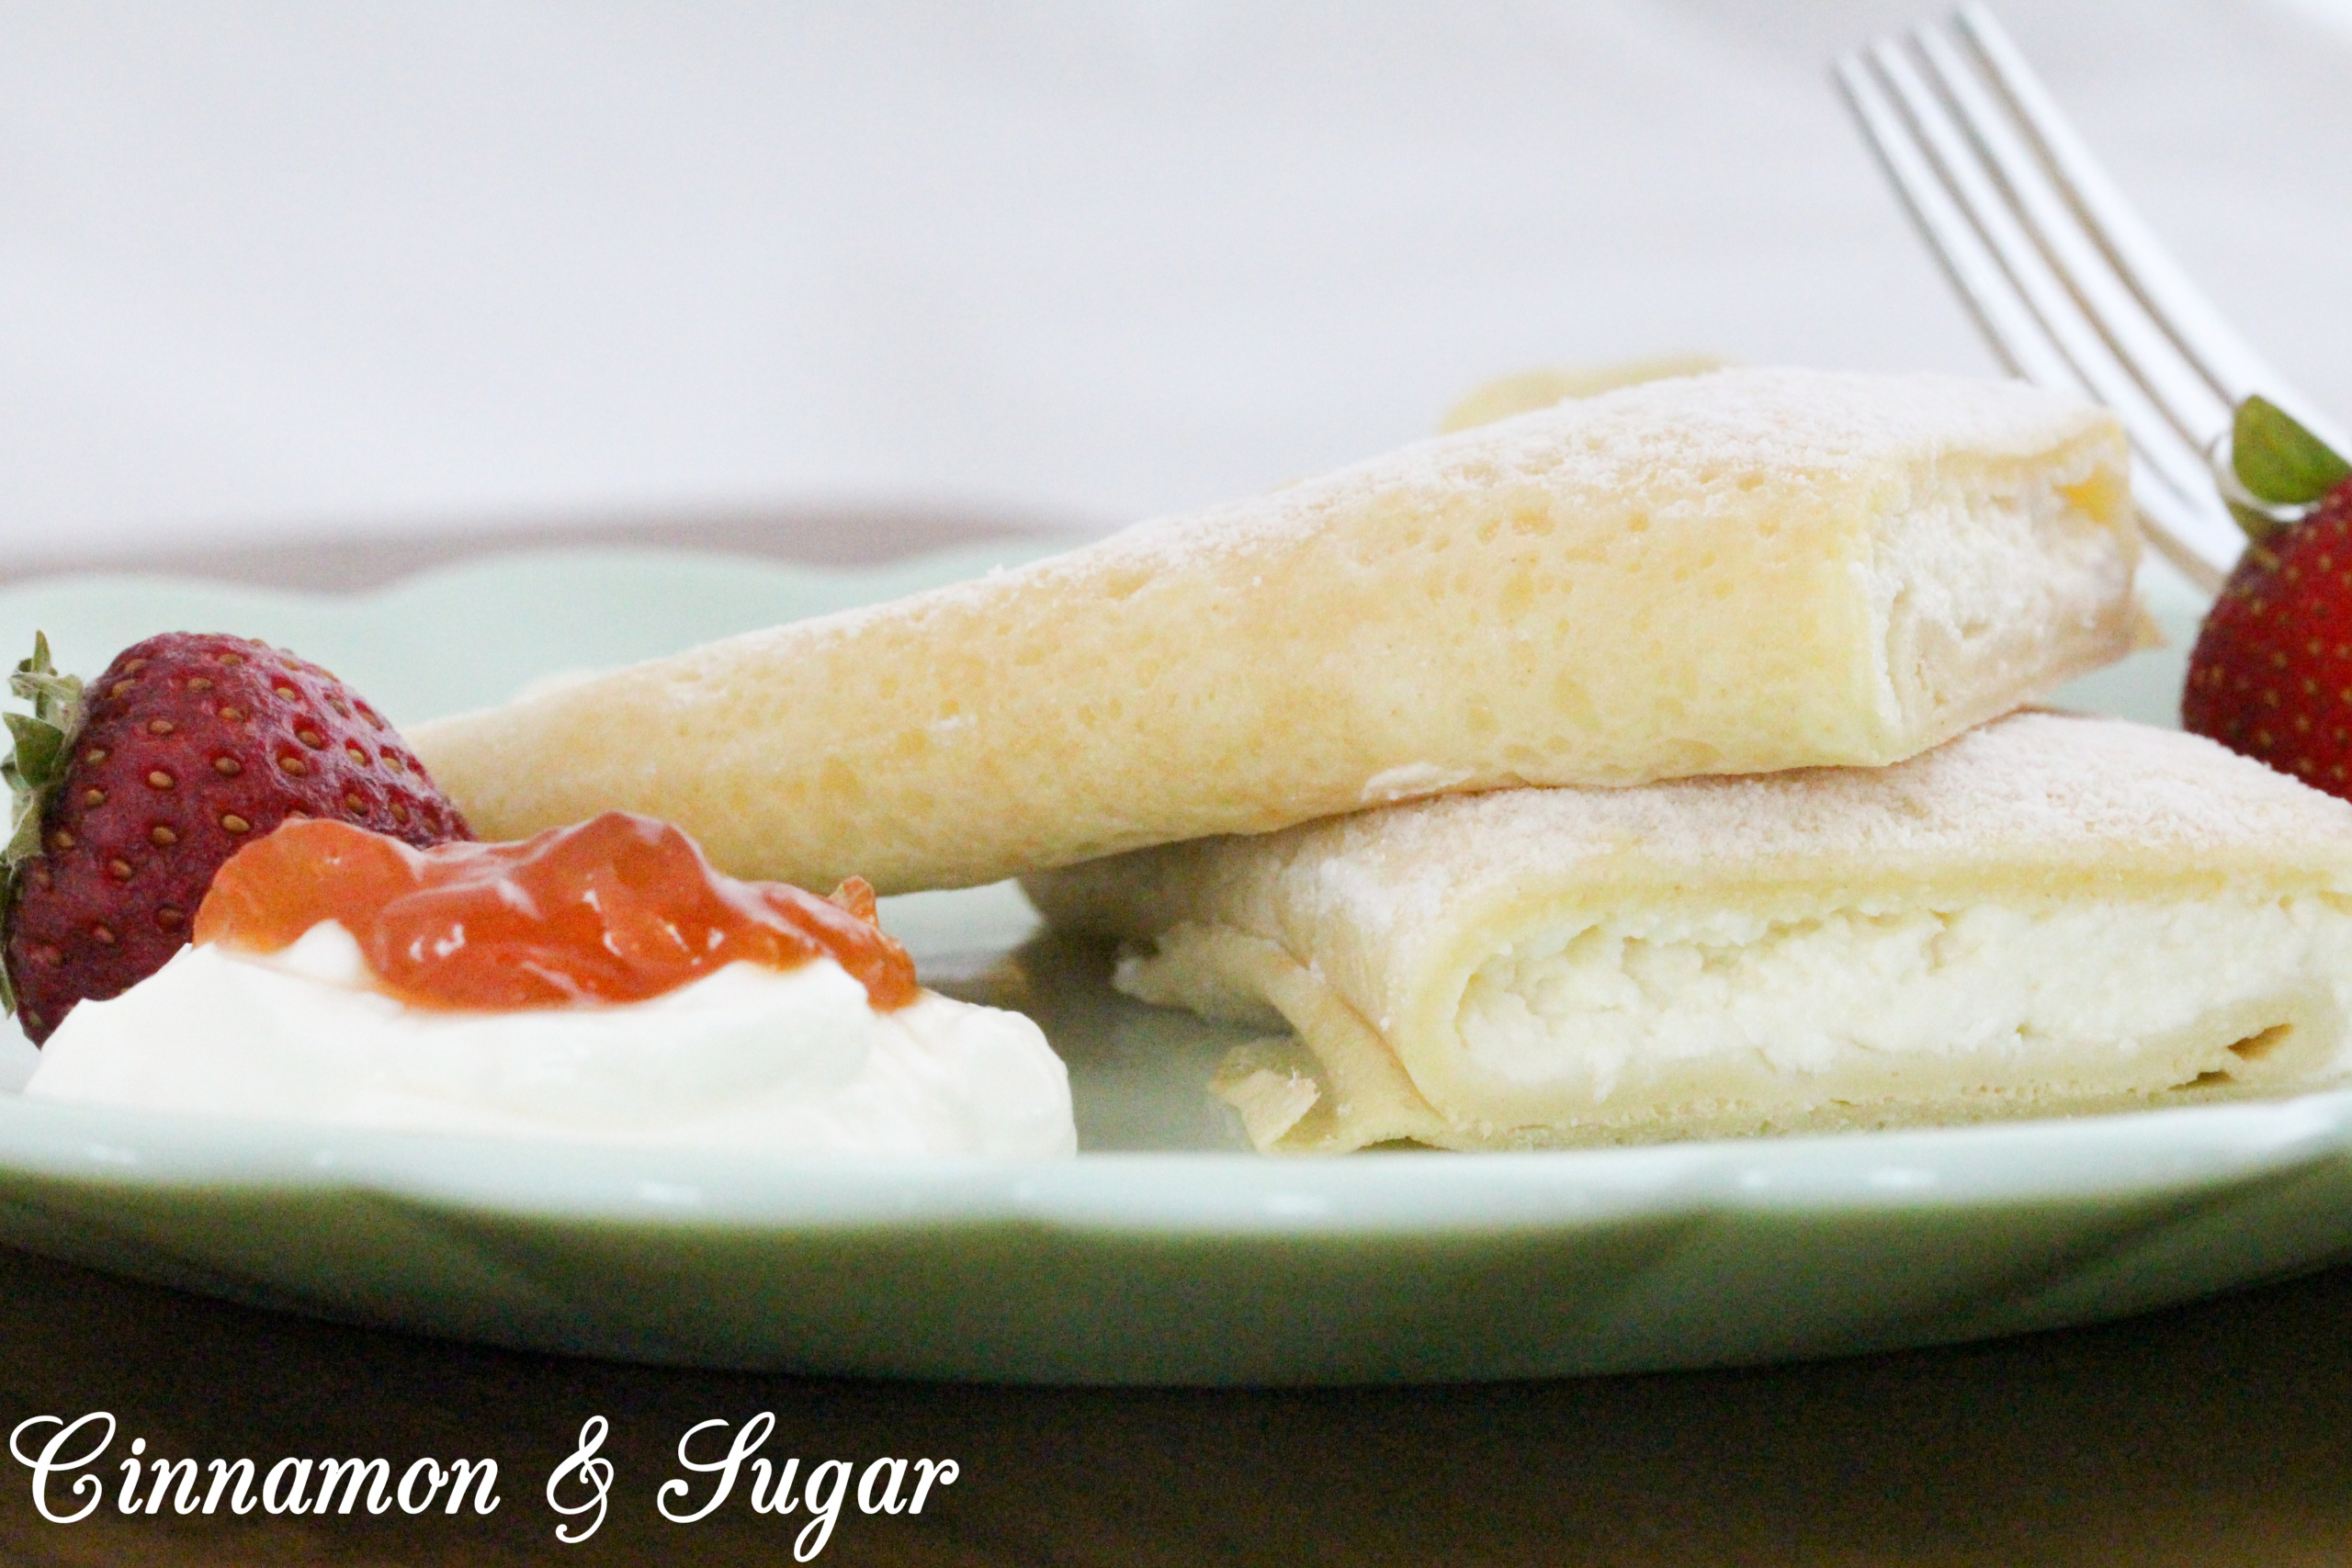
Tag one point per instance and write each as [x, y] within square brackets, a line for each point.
[7, 982]
[43, 740]
[2277, 460]
[38, 745]
[24, 840]
[39, 757]
[56, 699]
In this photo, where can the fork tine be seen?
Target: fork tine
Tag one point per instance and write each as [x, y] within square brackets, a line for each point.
[2038, 324]
[2000, 311]
[2201, 334]
[2095, 356]
[2172, 412]
[2142, 347]
[2167, 517]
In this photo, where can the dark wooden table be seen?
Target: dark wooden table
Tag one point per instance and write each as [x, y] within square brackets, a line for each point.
[2213, 1435]
[2210, 1435]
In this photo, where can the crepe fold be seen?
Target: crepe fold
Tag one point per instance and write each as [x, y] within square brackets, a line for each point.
[2050, 914]
[1729, 573]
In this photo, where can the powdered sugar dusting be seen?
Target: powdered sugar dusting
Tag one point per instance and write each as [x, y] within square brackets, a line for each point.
[1685, 434]
[2035, 790]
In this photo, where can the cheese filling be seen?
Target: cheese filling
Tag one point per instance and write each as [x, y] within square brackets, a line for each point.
[2011, 989]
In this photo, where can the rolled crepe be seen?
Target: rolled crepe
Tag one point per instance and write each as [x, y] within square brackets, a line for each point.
[1718, 574]
[2050, 914]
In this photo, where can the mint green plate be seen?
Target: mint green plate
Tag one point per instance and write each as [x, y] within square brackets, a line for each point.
[1164, 1254]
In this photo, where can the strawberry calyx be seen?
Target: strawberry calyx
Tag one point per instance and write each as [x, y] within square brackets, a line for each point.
[2276, 471]
[33, 769]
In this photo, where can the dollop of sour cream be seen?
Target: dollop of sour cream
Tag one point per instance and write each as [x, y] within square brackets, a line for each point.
[746, 1057]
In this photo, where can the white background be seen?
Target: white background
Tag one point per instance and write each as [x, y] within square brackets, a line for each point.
[268, 268]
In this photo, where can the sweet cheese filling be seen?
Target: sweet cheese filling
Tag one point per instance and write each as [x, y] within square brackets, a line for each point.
[1970, 585]
[2006, 991]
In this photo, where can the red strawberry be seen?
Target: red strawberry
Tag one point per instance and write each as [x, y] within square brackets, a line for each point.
[2271, 675]
[189, 747]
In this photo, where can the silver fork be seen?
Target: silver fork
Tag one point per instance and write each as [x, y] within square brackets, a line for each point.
[2071, 287]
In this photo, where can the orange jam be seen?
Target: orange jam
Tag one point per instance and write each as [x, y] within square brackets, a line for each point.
[617, 909]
